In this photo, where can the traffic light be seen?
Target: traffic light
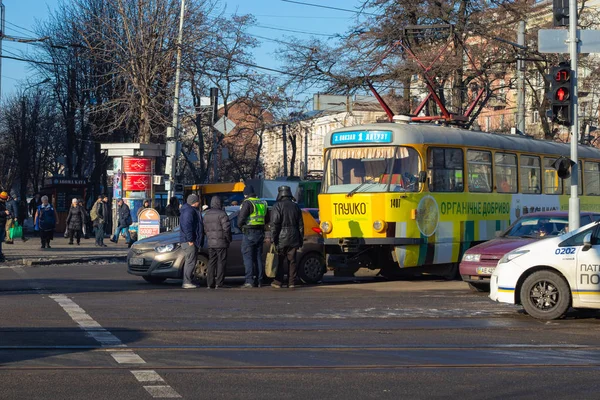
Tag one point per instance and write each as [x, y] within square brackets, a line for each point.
[560, 12]
[563, 167]
[561, 107]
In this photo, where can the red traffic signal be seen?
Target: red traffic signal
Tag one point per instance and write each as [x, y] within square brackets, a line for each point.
[562, 94]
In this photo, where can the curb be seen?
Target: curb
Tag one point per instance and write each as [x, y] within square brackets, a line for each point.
[36, 262]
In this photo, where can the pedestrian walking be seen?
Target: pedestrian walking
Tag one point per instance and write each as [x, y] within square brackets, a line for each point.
[13, 211]
[34, 204]
[45, 222]
[287, 231]
[98, 215]
[251, 220]
[124, 221]
[3, 215]
[173, 209]
[22, 214]
[190, 237]
[86, 218]
[75, 221]
[218, 234]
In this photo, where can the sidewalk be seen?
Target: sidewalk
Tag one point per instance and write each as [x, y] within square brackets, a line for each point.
[30, 253]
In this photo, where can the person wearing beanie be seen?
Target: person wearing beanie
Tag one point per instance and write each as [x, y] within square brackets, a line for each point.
[287, 231]
[190, 237]
[251, 220]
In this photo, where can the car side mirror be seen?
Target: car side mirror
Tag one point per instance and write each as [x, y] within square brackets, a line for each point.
[422, 176]
[587, 242]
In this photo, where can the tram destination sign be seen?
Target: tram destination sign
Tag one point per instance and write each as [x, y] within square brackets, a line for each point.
[353, 137]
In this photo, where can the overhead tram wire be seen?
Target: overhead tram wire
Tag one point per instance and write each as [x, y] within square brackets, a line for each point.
[330, 8]
[20, 27]
[295, 31]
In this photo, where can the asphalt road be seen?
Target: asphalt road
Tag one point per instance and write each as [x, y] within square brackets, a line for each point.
[95, 332]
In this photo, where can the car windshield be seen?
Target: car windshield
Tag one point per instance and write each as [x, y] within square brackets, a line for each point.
[371, 169]
[537, 227]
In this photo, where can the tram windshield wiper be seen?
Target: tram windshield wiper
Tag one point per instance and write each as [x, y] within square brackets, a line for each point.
[351, 193]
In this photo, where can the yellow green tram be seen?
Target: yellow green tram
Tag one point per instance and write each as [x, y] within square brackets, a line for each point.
[405, 195]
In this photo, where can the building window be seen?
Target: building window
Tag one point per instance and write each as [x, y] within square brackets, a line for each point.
[535, 117]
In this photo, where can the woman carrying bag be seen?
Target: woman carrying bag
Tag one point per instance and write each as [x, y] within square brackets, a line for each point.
[75, 221]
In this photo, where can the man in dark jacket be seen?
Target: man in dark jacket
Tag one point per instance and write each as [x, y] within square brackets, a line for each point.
[287, 231]
[34, 204]
[99, 215]
[190, 237]
[123, 222]
[218, 234]
[13, 212]
[251, 220]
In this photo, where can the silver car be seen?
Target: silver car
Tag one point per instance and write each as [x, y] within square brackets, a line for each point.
[160, 257]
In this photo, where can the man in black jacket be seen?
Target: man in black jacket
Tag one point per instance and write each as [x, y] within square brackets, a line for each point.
[287, 231]
[123, 222]
[191, 234]
[99, 215]
[218, 232]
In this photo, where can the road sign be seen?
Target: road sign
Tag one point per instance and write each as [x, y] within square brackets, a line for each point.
[555, 41]
[324, 102]
[224, 125]
[148, 224]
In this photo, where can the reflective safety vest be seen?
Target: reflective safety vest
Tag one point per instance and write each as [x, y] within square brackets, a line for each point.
[257, 217]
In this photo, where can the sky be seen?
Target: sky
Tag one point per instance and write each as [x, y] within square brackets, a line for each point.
[271, 15]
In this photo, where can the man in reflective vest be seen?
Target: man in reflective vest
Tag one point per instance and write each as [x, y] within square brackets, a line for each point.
[251, 220]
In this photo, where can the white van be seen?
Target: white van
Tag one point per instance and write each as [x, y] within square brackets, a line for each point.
[551, 275]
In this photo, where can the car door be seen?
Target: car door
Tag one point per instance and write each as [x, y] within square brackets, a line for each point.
[587, 266]
[235, 261]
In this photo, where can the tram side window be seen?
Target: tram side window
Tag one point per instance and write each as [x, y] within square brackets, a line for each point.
[552, 183]
[530, 174]
[568, 182]
[445, 168]
[506, 172]
[592, 178]
[479, 168]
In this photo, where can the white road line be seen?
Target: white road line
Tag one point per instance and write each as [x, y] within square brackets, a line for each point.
[106, 339]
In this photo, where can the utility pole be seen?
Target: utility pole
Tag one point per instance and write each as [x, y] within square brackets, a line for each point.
[574, 199]
[284, 138]
[171, 164]
[305, 152]
[2, 27]
[214, 101]
[521, 82]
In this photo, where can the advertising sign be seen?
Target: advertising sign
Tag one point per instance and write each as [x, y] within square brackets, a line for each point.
[149, 223]
[137, 182]
[137, 165]
[117, 178]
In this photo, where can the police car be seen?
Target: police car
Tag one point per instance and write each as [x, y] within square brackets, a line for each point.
[549, 276]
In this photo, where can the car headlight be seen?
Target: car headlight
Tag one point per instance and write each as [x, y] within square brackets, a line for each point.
[471, 257]
[166, 248]
[512, 255]
[326, 226]
[379, 226]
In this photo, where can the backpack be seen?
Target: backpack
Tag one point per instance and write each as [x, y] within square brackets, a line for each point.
[94, 212]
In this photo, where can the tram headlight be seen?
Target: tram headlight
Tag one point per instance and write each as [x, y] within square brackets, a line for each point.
[379, 226]
[326, 227]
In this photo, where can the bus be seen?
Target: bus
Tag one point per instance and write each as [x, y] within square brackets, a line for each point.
[412, 198]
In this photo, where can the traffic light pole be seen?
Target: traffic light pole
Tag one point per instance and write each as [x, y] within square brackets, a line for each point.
[574, 199]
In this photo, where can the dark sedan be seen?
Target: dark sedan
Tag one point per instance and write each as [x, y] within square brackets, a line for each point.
[160, 257]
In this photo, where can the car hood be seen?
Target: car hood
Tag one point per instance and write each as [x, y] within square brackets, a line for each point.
[500, 246]
[162, 238]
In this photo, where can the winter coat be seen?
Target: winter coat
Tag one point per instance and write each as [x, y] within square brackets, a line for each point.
[102, 211]
[22, 214]
[2, 214]
[217, 227]
[190, 224]
[287, 225]
[75, 219]
[173, 210]
[46, 218]
[13, 208]
[124, 215]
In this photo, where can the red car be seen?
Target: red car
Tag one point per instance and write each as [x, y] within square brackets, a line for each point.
[478, 263]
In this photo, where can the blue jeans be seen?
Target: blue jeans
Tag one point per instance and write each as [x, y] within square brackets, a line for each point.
[118, 233]
[252, 249]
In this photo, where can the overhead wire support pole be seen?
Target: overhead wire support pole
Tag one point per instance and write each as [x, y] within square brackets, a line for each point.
[521, 83]
[171, 163]
[573, 44]
[2, 34]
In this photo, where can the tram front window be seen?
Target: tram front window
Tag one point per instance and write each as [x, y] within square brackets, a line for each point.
[371, 169]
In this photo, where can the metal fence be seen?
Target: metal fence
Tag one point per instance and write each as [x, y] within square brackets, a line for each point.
[168, 224]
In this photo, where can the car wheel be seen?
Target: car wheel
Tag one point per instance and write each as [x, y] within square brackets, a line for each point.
[199, 274]
[311, 268]
[545, 295]
[479, 287]
[154, 279]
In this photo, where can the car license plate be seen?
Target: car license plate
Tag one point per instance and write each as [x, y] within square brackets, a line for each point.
[485, 270]
[136, 261]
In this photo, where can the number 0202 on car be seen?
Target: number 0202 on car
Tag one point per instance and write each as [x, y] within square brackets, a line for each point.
[485, 270]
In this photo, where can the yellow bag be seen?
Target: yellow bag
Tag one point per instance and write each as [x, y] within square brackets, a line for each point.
[271, 262]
